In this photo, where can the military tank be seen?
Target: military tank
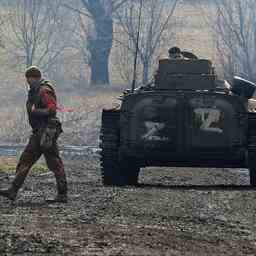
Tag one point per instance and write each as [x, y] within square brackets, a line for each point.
[186, 118]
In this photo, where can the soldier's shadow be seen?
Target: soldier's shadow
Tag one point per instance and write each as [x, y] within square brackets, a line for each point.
[199, 187]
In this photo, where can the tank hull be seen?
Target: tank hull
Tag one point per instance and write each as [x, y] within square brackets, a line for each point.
[183, 128]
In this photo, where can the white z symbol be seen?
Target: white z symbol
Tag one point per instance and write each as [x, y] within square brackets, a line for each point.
[152, 129]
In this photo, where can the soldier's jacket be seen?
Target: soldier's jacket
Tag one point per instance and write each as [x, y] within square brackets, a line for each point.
[43, 119]
[42, 96]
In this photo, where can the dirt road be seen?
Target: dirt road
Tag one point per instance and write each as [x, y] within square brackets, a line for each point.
[175, 212]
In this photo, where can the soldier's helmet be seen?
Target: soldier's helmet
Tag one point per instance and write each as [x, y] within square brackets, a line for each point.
[33, 71]
[175, 53]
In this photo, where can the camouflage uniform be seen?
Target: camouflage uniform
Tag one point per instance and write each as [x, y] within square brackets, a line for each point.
[42, 97]
[41, 108]
[31, 154]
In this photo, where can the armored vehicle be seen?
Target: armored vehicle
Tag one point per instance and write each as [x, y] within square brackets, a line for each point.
[187, 118]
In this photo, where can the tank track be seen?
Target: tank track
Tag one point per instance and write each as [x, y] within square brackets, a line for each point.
[114, 172]
[252, 148]
[109, 145]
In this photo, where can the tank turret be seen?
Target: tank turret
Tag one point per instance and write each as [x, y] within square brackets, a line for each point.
[185, 75]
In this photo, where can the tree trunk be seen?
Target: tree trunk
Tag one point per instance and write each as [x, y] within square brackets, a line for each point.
[145, 71]
[99, 67]
[100, 42]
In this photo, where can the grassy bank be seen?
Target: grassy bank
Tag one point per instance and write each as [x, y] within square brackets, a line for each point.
[8, 165]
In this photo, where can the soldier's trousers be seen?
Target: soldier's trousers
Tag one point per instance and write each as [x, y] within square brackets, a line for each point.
[29, 157]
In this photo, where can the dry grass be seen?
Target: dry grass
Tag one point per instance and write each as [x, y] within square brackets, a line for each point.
[8, 165]
[81, 127]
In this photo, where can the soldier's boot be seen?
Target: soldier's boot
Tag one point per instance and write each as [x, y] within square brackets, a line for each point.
[62, 196]
[10, 193]
[17, 183]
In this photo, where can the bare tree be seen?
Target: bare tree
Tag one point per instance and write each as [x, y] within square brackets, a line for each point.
[155, 30]
[98, 34]
[32, 32]
[236, 37]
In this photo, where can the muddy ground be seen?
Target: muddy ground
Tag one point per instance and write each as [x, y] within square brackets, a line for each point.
[175, 212]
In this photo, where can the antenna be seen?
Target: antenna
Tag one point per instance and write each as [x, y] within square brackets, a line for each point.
[137, 50]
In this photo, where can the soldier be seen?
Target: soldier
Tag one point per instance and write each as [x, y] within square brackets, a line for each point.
[175, 53]
[46, 128]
